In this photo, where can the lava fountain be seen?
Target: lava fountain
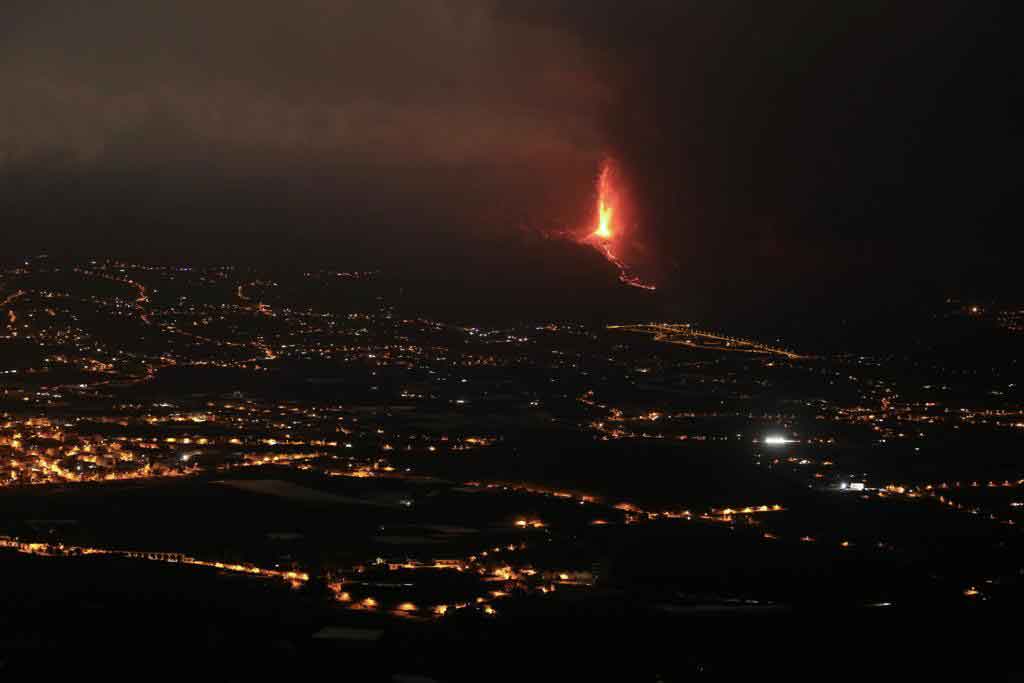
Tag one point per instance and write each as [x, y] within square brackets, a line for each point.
[606, 235]
[605, 210]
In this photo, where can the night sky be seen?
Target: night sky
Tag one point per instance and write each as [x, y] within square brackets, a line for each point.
[780, 154]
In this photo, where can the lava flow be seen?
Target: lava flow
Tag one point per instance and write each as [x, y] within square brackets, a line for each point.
[607, 236]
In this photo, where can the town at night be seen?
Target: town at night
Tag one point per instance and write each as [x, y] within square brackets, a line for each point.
[245, 427]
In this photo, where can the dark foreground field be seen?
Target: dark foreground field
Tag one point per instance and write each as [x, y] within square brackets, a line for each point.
[86, 617]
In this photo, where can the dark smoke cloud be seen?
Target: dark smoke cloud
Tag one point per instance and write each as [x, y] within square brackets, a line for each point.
[393, 82]
[431, 116]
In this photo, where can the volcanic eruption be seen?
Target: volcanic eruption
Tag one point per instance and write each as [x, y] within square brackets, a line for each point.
[608, 233]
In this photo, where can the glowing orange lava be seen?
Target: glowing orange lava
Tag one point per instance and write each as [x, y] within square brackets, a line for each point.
[605, 211]
[607, 233]
[604, 230]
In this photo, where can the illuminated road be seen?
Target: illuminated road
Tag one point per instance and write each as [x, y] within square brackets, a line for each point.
[686, 335]
[10, 299]
[61, 550]
[141, 299]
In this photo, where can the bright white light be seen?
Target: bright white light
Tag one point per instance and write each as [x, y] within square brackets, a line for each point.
[776, 440]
